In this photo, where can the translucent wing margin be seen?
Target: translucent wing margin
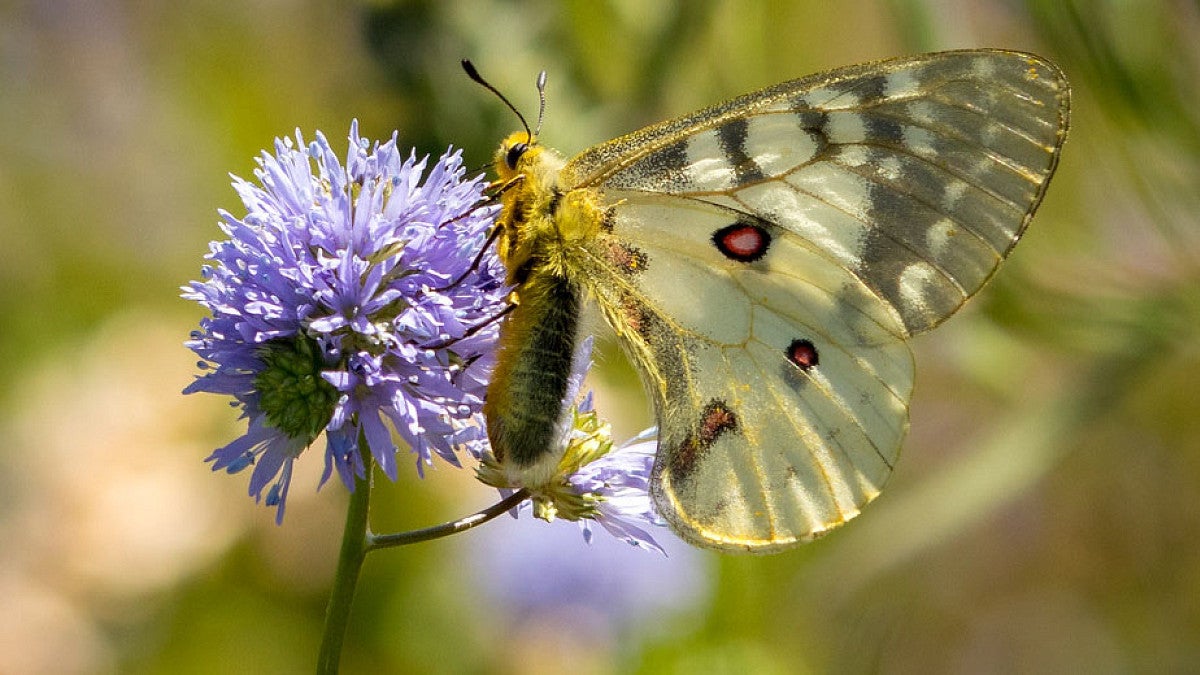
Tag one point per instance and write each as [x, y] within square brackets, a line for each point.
[917, 175]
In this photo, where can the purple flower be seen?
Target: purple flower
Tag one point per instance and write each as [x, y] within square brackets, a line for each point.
[621, 482]
[345, 301]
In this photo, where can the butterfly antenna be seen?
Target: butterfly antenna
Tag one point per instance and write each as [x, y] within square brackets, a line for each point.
[474, 75]
[481, 168]
[541, 87]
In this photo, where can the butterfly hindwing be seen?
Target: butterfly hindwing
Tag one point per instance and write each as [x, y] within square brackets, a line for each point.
[781, 382]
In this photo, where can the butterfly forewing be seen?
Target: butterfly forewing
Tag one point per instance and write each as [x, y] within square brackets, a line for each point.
[765, 259]
[917, 174]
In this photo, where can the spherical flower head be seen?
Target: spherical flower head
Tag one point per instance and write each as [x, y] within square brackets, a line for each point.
[595, 481]
[348, 301]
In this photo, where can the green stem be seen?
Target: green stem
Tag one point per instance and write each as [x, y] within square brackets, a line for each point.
[445, 529]
[355, 540]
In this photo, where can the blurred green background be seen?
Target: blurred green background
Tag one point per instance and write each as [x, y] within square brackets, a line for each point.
[1045, 516]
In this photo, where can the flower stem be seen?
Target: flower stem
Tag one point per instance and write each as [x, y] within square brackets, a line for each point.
[375, 541]
[355, 540]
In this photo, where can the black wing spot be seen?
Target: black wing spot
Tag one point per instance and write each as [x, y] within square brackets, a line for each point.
[609, 221]
[732, 138]
[684, 459]
[883, 129]
[871, 88]
[811, 120]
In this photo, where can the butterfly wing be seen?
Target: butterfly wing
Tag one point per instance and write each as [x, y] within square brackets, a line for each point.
[918, 174]
[765, 259]
[781, 384]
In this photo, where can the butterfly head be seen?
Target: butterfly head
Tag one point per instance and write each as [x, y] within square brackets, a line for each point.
[527, 174]
[516, 155]
[519, 153]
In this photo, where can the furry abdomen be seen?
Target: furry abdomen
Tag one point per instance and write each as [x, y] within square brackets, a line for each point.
[525, 399]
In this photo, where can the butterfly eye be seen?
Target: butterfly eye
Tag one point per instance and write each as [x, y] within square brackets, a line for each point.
[514, 154]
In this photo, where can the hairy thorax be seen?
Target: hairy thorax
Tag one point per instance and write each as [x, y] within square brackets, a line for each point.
[542, 223]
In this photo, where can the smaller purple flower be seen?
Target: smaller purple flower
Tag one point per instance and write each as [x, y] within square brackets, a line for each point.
[347, 302]
[621, 482]
[595, 481]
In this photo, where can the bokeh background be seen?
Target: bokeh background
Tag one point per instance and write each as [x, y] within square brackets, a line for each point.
[1045, 516]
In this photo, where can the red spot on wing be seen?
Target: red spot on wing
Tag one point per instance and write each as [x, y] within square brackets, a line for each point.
[636, 315]
[716, 419]
[744, 242]
[626, 258]
[803, 354]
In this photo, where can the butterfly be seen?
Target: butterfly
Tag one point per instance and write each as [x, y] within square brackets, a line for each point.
[764, 263]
